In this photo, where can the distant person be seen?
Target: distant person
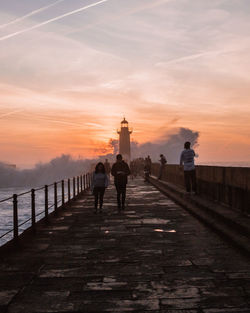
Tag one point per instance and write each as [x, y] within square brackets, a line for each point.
[187, 158]
[147, 167]
[107, 167]
[100, 182]
[163, 162]
[133, 169]
[120, 170]
[149, 163]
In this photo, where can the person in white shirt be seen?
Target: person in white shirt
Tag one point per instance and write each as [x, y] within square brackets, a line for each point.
[187, 159]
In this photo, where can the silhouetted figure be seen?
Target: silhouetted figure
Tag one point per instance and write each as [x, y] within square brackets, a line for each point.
[99, 184]
[149, 163]
[133, 169]
[187, 158]
[120, 170]
[147, 167]
[107, 167]
[163, 162]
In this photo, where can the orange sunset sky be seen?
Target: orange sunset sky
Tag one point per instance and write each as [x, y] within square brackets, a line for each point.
[70, 71]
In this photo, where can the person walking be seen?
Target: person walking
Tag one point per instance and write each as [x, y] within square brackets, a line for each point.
[187, 158]
[120, 170]
[100, 182]
[162, 161]
[107, 167]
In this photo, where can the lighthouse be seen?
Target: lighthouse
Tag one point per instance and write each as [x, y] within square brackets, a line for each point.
[124, 140]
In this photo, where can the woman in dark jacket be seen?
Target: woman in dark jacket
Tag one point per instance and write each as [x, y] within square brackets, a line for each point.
[100, 182]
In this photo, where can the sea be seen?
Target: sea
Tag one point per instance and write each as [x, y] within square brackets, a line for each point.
[24, 204]
[24, 208]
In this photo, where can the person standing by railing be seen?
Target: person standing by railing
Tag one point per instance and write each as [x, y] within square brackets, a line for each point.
[100, 182]
[163, 162]
[120, 170]
[187, 158]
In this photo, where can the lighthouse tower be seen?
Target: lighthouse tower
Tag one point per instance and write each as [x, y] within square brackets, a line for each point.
[124, 140]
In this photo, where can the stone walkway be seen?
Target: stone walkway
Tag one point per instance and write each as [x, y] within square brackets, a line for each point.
[154, 257]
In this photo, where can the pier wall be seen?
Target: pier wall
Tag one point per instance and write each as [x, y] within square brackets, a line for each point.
[227, 185]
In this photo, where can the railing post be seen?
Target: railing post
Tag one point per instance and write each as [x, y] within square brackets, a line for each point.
[90, 179]
[63, 201]
[15, 218]
[68, 189]
[55, 197]
[78, 185]
[81, 182]
[33, 210]
[46, 203]
[74, 187]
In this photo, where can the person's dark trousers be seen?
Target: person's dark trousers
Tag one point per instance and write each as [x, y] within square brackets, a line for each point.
[121, 191]
[161, 171]
[190, 180]
[99, 194]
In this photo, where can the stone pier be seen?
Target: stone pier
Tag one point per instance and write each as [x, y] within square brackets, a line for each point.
[153, 257]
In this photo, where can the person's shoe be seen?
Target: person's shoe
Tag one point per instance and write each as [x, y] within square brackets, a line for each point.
[123, 208]
[100, 211]
[95, 211]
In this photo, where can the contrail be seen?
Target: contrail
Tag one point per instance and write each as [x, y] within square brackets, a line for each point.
[192, 57]
[52, 20]
[19, 19]
[58, 121]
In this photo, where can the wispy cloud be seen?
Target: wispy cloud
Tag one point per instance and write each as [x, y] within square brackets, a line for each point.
[26, 16]
[10, 113]
[52, 20]
[124, 13]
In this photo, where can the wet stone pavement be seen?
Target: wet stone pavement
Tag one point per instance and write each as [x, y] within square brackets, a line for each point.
[153, 257]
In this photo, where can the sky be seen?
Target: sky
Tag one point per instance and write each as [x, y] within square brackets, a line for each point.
[70, 70]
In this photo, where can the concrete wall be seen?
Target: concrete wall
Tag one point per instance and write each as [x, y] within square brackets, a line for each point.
[227, 185]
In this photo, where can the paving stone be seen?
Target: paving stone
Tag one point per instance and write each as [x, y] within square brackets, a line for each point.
[6, 297]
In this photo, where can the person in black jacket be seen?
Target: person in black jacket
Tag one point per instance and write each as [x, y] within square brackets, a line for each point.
[120, 170]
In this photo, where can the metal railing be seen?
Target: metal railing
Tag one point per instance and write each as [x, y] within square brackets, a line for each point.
[74, 187]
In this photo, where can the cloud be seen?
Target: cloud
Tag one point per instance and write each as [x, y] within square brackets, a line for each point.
[124, 13]
[44, 173]
[10, 113]
[171, 146]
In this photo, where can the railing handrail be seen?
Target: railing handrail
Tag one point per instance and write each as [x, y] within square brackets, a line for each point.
[80, 183]
[7, 199]
[37, 189]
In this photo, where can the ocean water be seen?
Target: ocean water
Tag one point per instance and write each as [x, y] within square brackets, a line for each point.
[24, 208]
